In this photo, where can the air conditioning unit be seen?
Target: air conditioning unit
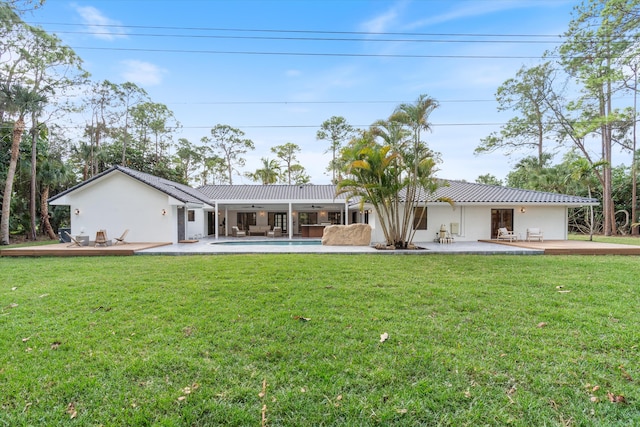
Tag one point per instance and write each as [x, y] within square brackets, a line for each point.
[455, 228]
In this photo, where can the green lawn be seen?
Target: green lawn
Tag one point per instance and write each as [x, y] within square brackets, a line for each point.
[223, 340]
[625, 240]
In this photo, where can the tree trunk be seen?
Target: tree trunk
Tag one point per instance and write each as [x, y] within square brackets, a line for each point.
[44, 213]
[18, 129]
[34, 181]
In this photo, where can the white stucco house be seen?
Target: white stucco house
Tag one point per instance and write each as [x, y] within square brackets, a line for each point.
[154, 209]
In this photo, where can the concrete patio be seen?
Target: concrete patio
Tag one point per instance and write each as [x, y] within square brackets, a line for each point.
[211, 246]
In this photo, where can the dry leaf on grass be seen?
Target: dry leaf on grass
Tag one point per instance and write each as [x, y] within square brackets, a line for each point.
[541, 324]
[384, 337]
[71, 410]
[14, 288]
[594, 399]
[182, 398]
[263, 393]
[616, 398]
[302, 319]
[402, 411]
[563, 292]
[55, 345]
[26, 339]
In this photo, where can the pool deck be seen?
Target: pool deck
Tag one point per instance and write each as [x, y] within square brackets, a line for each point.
[211, 246]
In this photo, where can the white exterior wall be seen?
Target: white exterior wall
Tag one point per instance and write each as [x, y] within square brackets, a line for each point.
[198, 228]
[119, 202]
[475, 222]
[552, 220]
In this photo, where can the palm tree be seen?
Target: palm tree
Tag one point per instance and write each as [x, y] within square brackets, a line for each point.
[15, 100]
[418, 161]
[269, 173]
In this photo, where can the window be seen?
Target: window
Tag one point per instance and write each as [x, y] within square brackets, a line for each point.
[308, 218]
[191, 215]
[420, 218]
[245, 219]
[335, 217]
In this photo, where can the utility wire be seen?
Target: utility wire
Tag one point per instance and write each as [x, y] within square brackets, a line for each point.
[317, 54]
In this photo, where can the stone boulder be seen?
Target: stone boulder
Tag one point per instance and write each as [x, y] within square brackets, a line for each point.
[347, 235]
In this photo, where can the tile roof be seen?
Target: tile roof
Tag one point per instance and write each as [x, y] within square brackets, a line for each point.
[274, 192]
[459, 191]
[470, 193]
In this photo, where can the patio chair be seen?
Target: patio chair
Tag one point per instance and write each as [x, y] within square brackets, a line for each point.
[74, 241]
[534, 233]
[101, 238]
[236, 232]
[505, 234]
[276, 232]
[121, 238]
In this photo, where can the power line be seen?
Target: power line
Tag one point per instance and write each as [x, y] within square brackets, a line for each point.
[271, 30]
[317, 54]
[318, 102]
[367, 40]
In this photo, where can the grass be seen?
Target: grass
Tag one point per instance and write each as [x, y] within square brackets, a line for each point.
[221, 340]
[625, 240]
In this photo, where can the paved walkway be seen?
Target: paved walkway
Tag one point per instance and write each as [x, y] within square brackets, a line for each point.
[209, 246]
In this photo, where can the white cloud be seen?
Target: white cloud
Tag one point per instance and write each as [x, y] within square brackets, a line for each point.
[142, 73]
[381, 23]
[475, 8]
[293, 73]
[103, 28]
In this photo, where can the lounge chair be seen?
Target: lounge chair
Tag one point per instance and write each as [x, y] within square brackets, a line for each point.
[74, 241]
[121, 238]
[534, 233]
[236, 232]
[276, 232]
[505, 234]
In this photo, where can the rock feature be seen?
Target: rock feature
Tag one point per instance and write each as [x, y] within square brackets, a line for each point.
[347, 235]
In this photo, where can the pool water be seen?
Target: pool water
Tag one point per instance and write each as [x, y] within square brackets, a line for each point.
[269, 243]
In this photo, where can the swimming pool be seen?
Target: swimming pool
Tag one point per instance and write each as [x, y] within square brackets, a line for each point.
[311, 242]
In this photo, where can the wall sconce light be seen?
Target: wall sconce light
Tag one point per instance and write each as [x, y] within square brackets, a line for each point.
[523, 209]
[164, 211]
[77, 211]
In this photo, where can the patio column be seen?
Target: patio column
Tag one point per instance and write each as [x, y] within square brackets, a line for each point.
[290, 219]
[226, 223]
[346, 212]
[216, 220]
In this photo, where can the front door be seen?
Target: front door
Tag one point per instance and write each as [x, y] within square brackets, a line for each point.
[501, 218]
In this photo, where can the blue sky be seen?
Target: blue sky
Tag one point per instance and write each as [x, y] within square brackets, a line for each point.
[267, 67]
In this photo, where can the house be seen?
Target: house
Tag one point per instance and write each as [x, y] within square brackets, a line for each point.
[159, 210]
[153, 209]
